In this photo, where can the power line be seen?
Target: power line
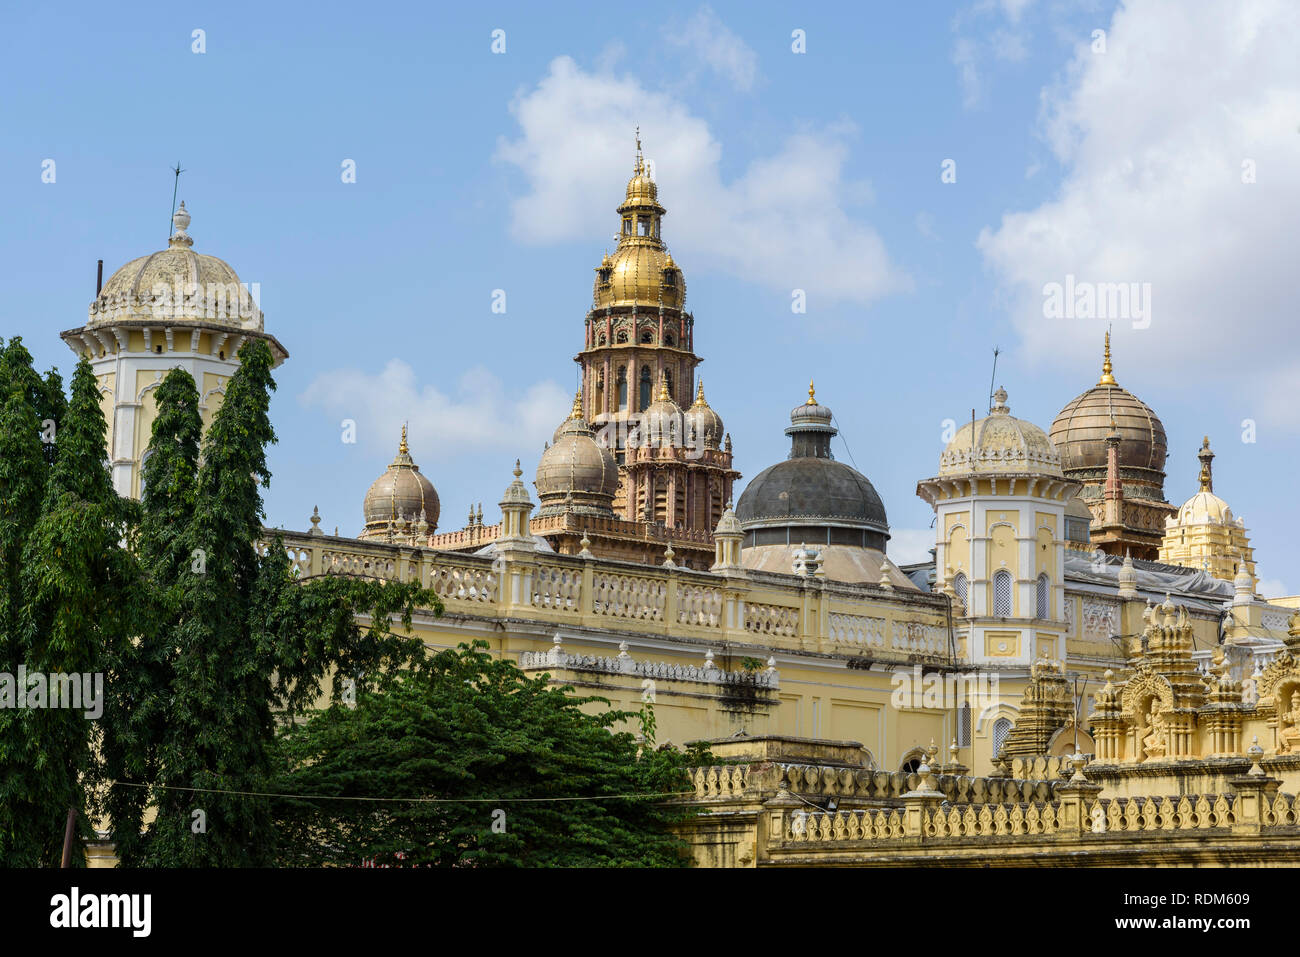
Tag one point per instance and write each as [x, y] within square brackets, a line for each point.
[339, 797]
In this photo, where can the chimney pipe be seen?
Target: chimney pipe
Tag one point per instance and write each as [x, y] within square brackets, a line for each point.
[99, 278]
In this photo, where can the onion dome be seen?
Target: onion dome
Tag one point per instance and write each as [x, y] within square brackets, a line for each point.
[661, 422]
[576, 474]
[176, 284]
[1079, 432]
[402, 492]
[702, 423]
[810, 497]
[1000, 444]
[641, 271]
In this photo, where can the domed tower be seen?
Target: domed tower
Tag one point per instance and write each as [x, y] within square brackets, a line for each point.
[171, 308]
[1204, 534]
[1000, 532]
[402, 502]
[638, 374]
[576, 474]
[814, 501]
[1126, 496]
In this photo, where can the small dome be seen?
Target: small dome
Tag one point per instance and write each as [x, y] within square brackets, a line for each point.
[576, 473]
[810, 497]
[641, 188]
[1204, 508]
[704, 425]
[177, 284]
[402, 492]
[1000, 444]
[640, 275]
[1079, 432]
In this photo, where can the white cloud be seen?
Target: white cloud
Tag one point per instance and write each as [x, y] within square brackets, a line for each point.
[1272, 588]
[908, 545]
[784, 222]
[705, 39]
[1153, 135]
[481, 416]
[972, 47]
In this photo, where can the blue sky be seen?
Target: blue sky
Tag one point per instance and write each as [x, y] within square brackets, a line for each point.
[1166, 157]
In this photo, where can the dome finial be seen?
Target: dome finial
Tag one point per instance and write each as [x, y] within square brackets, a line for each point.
[1207, 459]
[402, 447]
[577, 405]
[699, 393]
[663, 387]
[180, 220]
[1000, 406]
[812, 394]
[1106, 377]
[640, 163]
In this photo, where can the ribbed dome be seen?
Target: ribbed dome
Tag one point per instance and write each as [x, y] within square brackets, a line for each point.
[1205, 508]
[1000, 444]
[640, 274]
[810, 497]
[176, 284]
[1079, 432]
[703, 423]
[402, 492]
[576, 473]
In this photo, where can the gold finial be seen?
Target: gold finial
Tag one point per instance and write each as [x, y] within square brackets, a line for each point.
[518, 470]
[640, 164]
[663, 387]
[1106, 377]
[1205, 442]
[577, 405]
[812, 395]
[401, 448]
[1205, 479]
[699, 393]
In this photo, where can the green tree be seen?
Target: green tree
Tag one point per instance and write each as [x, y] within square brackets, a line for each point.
[249, 638]
[490, 761]
[76, 581]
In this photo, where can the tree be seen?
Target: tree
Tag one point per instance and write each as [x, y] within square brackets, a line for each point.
[475, 763]
[75, 581]
[249, 638]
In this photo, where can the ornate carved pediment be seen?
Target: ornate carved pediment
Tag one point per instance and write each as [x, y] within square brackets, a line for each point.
[1281, 668]
[1143, 685]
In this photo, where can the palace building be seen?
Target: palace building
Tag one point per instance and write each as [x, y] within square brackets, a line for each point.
[1088, 613]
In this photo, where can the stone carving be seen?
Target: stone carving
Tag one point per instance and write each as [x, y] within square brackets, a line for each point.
[1100, 618]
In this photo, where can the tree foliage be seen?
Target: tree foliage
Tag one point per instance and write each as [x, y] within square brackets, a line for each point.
[497, 768]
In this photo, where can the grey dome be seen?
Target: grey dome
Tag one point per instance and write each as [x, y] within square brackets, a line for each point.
[810, 498]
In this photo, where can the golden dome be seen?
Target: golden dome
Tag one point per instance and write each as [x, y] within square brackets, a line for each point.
[1000, 444]
[1079, 432]
[176, 284]
[576, 473]
[400, 493]
[641, 188]
[703, 421]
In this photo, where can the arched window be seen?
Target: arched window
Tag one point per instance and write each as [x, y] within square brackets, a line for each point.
[645, 387]
[668, 340]
[1002, 594]
[602, 339]
[1043, 597]
[647, 336]
[1001, 728]
[622, 387]
[959, 586]
[622, 335]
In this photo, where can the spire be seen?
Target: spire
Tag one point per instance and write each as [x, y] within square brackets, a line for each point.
[663, 388]
[1106, 377]
[1206, 457]
[640, 162]
[699, 395]
[402, 447]
[812, 394]
[577, 405]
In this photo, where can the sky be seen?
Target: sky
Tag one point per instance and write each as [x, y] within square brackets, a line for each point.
[917, 175]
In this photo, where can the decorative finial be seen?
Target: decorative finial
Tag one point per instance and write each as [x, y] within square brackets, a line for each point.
[1207, 459]
[1106, 377]
[577, 406]
[699, 393]
[1000, 401]
[402, 447]
[518, 471]
[180, 220]
[640, 164]
[812, 394]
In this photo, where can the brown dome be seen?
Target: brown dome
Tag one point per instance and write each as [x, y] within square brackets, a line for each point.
[400, 493]
[577, 473]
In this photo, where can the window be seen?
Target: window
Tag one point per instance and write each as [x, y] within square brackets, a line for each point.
[1002, 594]
[647, 336]
[645, 387]
[1043, 597]
[622, 387]
[668, 340]
[627, 227]
[1001, 728]
[622, 335]
[601, 341]
[605, 275]
[963, 725]
[959, 586]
